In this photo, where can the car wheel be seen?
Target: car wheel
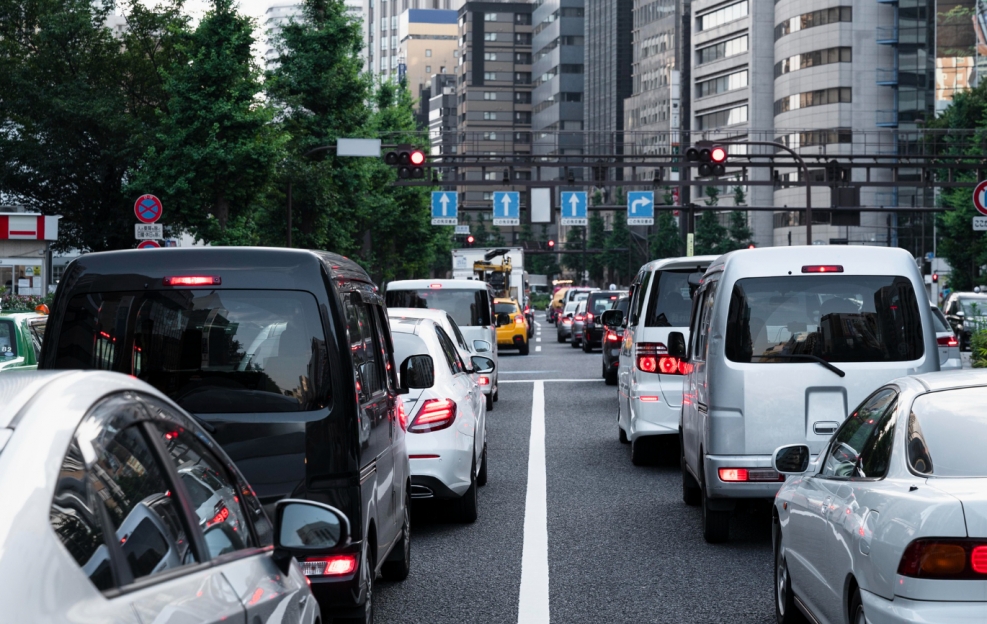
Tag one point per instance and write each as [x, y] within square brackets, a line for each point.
[560, 337]
[398, 569]
[469, 503]
[785, 610]
[586, 347]
[481, 477]
[691, 494]
[366, 610]
[490, 402]
[643, 451]
[575, 343]
[496, 393]
[524, 348]
[611, 377]
[716, 524]
[857, 608]
[622, 435]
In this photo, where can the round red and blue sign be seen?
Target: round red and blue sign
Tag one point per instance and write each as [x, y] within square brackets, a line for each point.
[980, 198]
[148, 208]
[148, 244]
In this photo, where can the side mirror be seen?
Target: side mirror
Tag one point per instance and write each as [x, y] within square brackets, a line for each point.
[961, 314]
[613, 318]
[417, 371]
[482, 365]
[676, 344]
[303, 529]
[482, 346]
[792, 459]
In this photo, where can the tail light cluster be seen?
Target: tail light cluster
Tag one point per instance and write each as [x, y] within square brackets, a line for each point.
[335, 565]
[945, 559]
[948, 341]
[519, 320]
[402, 415]
[611, 336]
[580, 317]
[652, 357]
[589, 317]
[749, 475]
[436, 414]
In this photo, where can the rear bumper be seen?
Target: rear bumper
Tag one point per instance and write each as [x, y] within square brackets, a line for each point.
[593, 335]
[650, 418]
[902, 610]
[448, 476]
[339, 596]
[564, 330]
[952, 363]
[719, 489]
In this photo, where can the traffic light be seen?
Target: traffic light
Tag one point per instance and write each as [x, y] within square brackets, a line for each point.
[712, 159]
[409, 160]
[935, 278]
[551, 245]
[469, 240]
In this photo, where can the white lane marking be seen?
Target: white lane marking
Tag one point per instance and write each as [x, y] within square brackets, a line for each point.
[538, 339]
[534, 597]
[510, 381]
[537, 349]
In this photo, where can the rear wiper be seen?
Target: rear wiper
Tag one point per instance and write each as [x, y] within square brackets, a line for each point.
[806, 356]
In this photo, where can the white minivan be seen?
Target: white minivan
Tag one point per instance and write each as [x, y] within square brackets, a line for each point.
[649, 382]
[469, 303]
[784, 342]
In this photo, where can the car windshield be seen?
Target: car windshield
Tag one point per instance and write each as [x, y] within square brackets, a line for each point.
[211, 351]
[601, 302]
[974, 307]
[504, 308]
[670, 303]
[8, 341]
[946, 431]
[467, 306]
[839, 318]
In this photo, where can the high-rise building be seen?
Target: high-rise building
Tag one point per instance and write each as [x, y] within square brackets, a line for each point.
[956, 42]
[381, 31]
[428, 44]
[609, 54]
[442, 116]
[557, 71]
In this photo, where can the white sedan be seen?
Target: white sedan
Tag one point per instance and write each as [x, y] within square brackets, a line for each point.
[101, 523]
[889, 524]
[445, 413]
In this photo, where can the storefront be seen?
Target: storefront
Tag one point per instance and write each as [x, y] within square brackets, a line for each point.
[25, 252]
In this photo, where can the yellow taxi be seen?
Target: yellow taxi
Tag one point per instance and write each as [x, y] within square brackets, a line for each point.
[557, 304]
[512, 328]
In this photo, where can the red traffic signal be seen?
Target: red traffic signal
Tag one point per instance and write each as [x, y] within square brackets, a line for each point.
[551, 244]
[751, 246]
[718, 154]
[711, 159]
[409, 161]
[935, 278]
[417, 158]
[469, 240]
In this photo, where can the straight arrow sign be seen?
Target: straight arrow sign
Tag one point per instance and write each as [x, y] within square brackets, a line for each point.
[445, 208]
[507, 208]
[574, 208]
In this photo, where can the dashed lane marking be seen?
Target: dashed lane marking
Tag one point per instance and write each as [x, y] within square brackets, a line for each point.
[533, 601]
[537, 349]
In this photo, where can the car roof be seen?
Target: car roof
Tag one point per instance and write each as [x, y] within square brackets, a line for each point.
[504, 300]
[679, 263]
[774, 261]
[450, 284]
[970, 295]
[407, 325]
[439, 316]
[17, 388]
[945, 380]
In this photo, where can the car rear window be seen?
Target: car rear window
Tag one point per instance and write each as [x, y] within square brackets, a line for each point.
[974, 307]
[504, 308]
[469, 307]
[8, 341]
[211, 351]
[946, 431]
[600, 302]
[939, 321]
[670, 303]
[839, 318]
[406, 345]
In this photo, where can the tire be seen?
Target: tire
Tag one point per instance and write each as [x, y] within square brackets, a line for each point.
[586, 347]
[496, 394]
[398, 569]
[481, 477]
[574, 344]
[691, 494]
[490, 402]
[643, 451]
[622, 436]
[611, 377]
[560, 337]
[715, 524]
[785, 610]
[524, 348]
[857, 608]
[469, 503]
[365, 612]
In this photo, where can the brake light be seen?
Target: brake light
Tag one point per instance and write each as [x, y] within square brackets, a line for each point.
[435, 285]
[745, 475]
[652, 358]
[648, 399]
[193, 280]
[611, 336]
[519, 320]
[947, 341]
[402, 416]
[945, 559]
[484, 381]
[589, 317]
[733, 474]
[822, 268]
[335, 565]
[580, 317]
[436, 414]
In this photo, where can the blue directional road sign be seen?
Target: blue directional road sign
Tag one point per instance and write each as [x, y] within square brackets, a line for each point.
[573, 206]
[507, 208]
[641, 208]
[445, 208]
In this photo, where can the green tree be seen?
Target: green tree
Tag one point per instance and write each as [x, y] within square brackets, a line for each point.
[666, 241]
[216, 148]
[740, 233]
[964, 249]
[597, 236]
[78, 109]
[617, 249]
[482, 235]
[711, 236]
[576, 262]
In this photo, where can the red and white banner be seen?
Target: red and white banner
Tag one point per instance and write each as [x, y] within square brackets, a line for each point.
[20, 226]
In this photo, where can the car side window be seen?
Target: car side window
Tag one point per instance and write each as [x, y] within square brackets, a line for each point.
[460, 339]
[212, 494]
[364, 350]
[870, 430]
[637, 306]
[449, 350]
[703, 321]
[386, 348]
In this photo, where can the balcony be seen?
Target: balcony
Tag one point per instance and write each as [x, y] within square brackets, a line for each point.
[887, 35]
[887, 77]
[887, 118]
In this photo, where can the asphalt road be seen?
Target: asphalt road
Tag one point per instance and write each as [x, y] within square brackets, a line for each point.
[622, 546]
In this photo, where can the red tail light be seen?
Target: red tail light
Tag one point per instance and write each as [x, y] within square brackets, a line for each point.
[483, 381]
[744, 475]
[222, 513]
[822, 268]
[611, 336]
[579, 317]
[193, 280]
[589, 317]
[335, 565]
[402, 415]
[519, 320]
[652, 358]
[945, 559]
[947, 341]
[436, 414]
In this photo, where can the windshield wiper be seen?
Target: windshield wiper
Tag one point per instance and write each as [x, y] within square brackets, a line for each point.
[806, 356]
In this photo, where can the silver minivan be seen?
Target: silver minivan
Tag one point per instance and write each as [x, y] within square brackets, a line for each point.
[469, 303]
[783, 342]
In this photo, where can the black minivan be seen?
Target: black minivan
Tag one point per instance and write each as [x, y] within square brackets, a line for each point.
[285, 356]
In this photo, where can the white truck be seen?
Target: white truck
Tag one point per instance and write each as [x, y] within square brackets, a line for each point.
[464, 259]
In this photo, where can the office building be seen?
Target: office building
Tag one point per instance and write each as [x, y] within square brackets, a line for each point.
[428, 44]
[382, 32]
[956, 42]
[557, 69]
[609, 54]
[442, 115]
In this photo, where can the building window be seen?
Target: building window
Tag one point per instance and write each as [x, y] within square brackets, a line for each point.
[428, 69]
[490, 75]
[455, 53]
[813, 59]
[489, 116]
[489, 56]
[719, 119]
[442, 69]
[718, 17]
[489, 95]
[522, 19]
[489, 17]
[836, 95]
[522, 97]
[491, 175]
[489, 36]
[489, 136]
[428, 53]
[722, 84]
[721, 50]
[809, 138]
[813, 19]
